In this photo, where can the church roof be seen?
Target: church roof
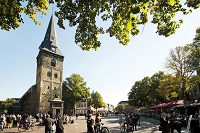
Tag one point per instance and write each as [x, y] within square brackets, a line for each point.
[50, 42]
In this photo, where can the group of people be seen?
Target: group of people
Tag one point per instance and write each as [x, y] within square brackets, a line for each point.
[131, 120]
[93, 124]
[169, 124]
[49, 122]
[9, 120]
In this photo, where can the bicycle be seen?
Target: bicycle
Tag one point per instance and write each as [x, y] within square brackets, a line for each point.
[102, 129]
[125, 128]
[23, 126]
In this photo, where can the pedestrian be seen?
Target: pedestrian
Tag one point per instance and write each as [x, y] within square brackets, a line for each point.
[59, 125]
[120, 120]
[174, 123]
[76, 116]
[1, 123]
[138, 116]
[85, 116]
[135, 120]
[8, 121]
[48, 122]
[97, 121]
[90, 124]
[164, 123]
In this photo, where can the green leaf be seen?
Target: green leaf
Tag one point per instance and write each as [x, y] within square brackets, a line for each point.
[171, 2]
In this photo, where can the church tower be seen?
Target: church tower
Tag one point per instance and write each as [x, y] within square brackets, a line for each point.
[49, 70]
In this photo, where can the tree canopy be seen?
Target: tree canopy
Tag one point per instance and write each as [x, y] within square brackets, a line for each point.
[97, 100]
[120, 107]
[182, 63]
[79, 88]
[125, 15]
[7, 103]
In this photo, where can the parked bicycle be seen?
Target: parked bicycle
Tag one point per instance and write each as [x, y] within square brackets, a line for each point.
[102, 129]
[23, 126]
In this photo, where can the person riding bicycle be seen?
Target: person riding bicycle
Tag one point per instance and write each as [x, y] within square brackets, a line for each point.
[127, 121]
[26, 121]
[97, 121]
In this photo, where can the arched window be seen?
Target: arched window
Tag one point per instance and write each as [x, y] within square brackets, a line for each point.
[53, 63]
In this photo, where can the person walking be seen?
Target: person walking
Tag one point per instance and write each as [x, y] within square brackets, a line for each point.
[48, 122]
[164, 123]
[174, 123]
[138, 116]
[59, 125]
[8, 121]
[135, 120]
[90, 124]
[76, 116]
[120, 120]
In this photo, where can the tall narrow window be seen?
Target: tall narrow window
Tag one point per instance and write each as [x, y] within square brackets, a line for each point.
[49, 74]
[55, 75]
[53, 63]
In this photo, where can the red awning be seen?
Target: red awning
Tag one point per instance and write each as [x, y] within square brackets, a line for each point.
[165, 105]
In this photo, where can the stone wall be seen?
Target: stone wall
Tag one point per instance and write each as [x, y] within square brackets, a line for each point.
[48, 80]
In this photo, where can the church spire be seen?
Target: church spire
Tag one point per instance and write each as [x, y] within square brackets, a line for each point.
[50, 42]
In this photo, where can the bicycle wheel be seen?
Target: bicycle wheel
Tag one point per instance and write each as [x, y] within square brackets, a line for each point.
[34, 126]
[122, 129]
[104, 130]
[21, 128]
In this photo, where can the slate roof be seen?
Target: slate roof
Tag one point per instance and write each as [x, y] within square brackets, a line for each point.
[50, 42]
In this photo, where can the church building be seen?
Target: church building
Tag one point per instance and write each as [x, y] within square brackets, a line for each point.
[46, 94]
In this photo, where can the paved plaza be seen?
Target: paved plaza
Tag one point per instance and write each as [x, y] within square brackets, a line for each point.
[147, 126]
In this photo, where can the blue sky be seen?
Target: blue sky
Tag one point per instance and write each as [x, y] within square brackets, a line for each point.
[111, 70]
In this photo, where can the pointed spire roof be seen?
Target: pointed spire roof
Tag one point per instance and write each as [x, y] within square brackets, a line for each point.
[50, 42]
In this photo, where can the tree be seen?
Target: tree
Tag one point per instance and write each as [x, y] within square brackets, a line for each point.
[182, 63]
[120, 107]
[97, 101]
[140, 93]
[169, 88]
[146, 91]
[7, 103]
[193, 59]
[126, 16]
[79, 89]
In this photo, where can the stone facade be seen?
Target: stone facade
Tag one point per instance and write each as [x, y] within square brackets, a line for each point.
[48, 79]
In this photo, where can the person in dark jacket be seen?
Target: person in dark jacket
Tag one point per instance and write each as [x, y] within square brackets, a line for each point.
[135, 121]
[8, 120]
[90, 124]
[174, 123]
[59, 125]
[164, 123]
[48, 124]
